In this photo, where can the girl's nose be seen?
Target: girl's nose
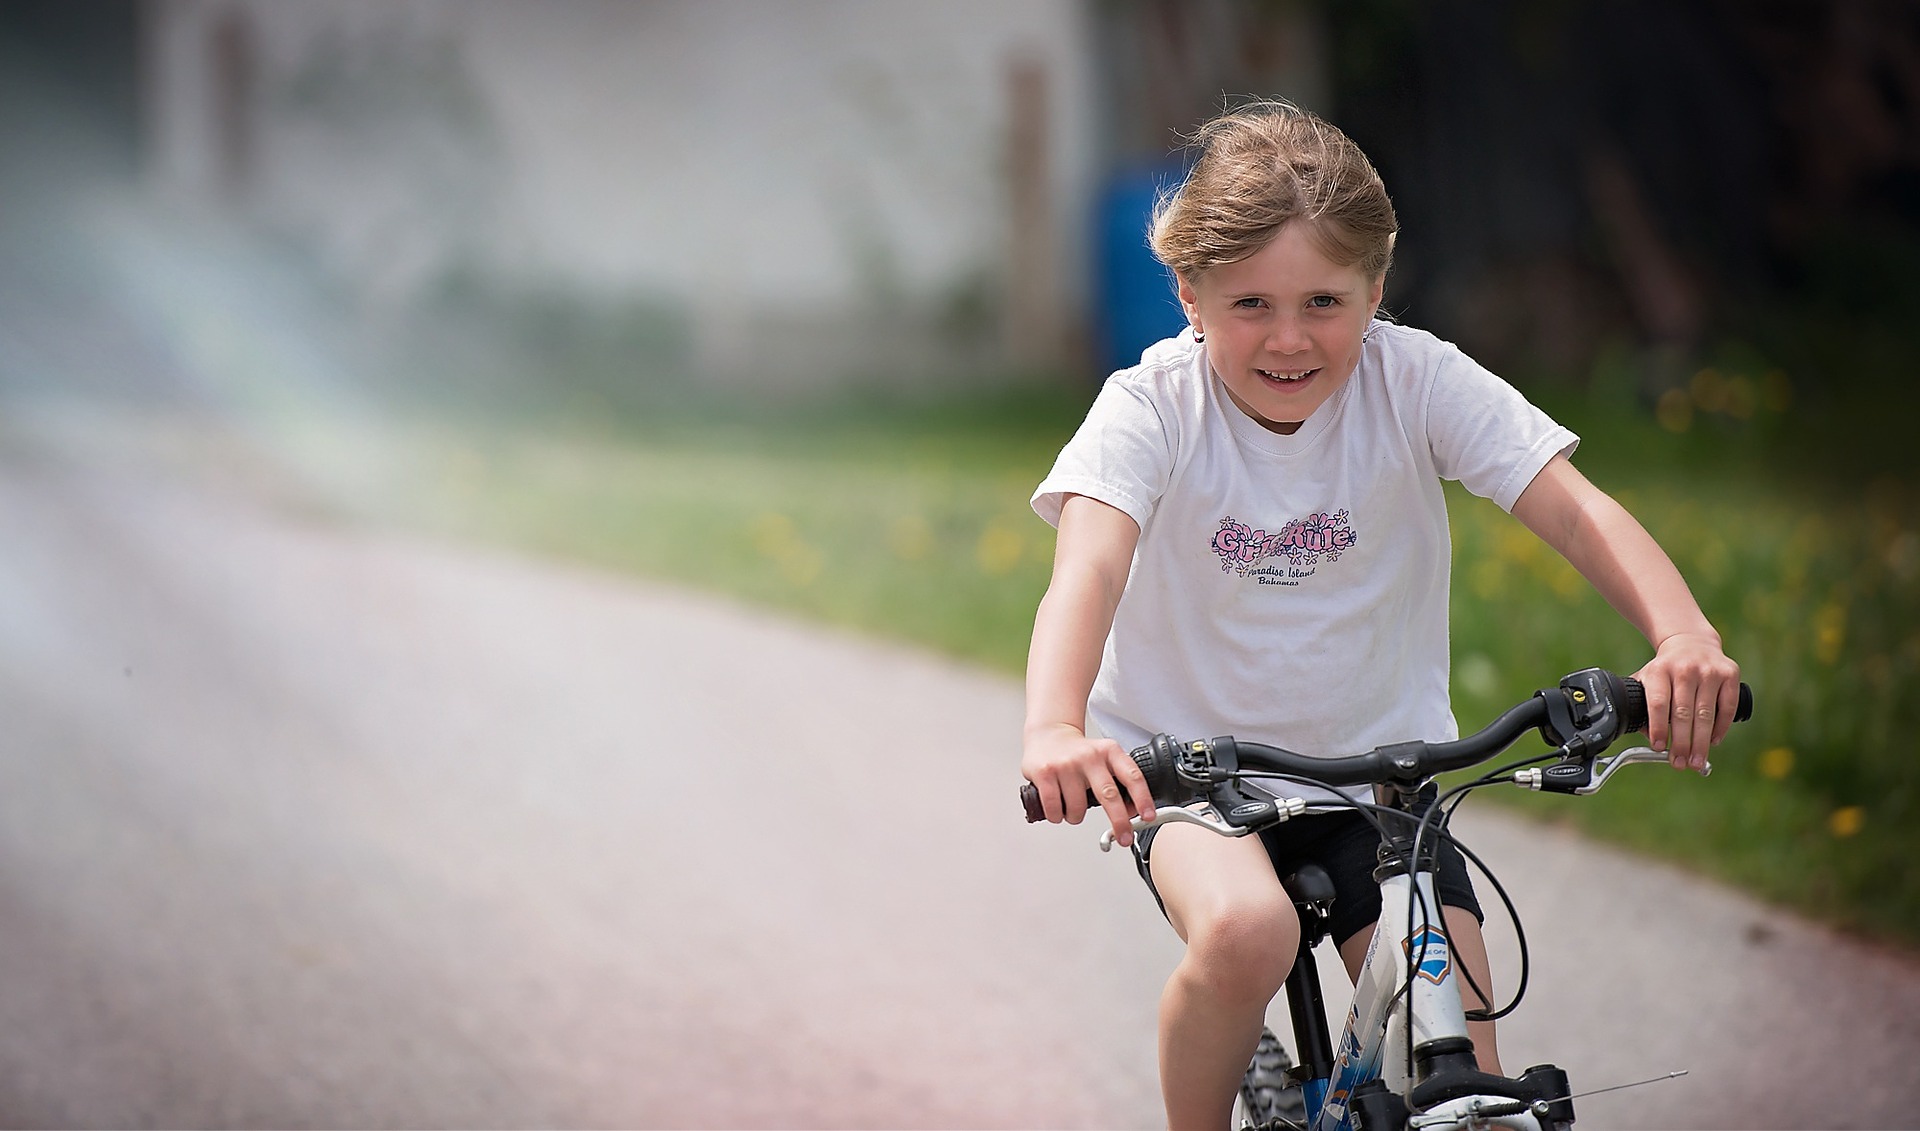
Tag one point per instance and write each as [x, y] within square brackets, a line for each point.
[1286, 335]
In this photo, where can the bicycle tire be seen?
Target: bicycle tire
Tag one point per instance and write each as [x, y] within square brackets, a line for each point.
[1268, 1100]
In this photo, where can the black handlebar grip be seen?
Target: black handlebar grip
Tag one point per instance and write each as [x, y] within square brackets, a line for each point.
[1155, 761]
[1634, 710]
[1030, 799]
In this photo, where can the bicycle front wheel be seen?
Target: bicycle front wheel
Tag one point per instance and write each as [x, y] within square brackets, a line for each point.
[1268, 1100]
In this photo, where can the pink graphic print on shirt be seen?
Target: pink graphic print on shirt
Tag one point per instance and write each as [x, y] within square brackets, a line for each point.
[1302, 542]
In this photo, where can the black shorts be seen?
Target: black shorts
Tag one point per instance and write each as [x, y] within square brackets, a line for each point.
[1347, 845]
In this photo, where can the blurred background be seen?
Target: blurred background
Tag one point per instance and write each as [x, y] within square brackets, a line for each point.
[794, 302]
[792, 196]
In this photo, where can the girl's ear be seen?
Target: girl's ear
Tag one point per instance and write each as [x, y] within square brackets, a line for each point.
[1379, 292]
[1189, 302]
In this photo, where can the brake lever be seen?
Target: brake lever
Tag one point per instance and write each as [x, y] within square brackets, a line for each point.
[1203, 814]
[1563, 776]
[1200, 813]
[1604, 768]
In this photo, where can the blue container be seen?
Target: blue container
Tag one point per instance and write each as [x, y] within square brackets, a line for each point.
[1136, 304]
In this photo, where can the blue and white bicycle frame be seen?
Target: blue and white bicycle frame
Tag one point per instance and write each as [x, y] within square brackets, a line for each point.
[1416, 956]
[1410, 954]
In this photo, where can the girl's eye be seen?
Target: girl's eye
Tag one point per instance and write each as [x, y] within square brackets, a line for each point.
[1248, 303]
[1322, 302]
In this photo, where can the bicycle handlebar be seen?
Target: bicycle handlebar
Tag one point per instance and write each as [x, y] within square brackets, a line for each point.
[1582, 716]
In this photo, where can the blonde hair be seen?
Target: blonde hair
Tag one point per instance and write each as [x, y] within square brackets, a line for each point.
[1261, 167]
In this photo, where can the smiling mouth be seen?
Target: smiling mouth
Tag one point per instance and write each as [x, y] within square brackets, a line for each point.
[1286, 378]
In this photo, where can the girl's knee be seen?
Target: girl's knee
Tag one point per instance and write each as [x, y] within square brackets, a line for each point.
[1244, 950]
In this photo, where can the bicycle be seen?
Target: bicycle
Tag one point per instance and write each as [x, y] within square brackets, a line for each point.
[1407, 997]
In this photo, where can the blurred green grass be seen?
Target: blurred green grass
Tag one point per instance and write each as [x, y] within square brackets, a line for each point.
[1806, 556]
[910, 521]
[904, 522]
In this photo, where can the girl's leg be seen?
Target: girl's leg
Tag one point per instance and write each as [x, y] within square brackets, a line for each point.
[1463, 932]
[1470, 946]
[1242, 934]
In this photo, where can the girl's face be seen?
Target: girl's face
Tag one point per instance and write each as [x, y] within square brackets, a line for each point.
[1282, 326]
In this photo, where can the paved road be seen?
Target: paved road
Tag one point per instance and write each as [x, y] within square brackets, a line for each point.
[303, 824]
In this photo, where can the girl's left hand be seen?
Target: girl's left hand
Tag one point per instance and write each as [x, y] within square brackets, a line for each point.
[1693, 690]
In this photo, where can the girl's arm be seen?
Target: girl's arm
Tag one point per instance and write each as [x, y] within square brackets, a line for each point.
[1091, 558]
[1692, 687]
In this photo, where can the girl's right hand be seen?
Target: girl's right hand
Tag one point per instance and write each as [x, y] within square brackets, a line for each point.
[1064, 765]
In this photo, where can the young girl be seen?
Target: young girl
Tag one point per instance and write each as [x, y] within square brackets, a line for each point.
[1253, 541]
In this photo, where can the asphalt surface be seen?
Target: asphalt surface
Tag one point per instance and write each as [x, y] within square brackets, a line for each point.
[303, 824]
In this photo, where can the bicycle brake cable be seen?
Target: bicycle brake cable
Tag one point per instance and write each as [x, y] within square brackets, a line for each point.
[1674, 1075]
[1446, 805]
[1366, 809]
[1519, 934]
[1458, 795]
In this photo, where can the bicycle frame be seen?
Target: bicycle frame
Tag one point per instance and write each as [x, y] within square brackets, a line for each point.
[1376, 1021]
[1410, 953]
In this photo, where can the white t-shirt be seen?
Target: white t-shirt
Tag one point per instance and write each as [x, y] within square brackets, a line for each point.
[1293, 589]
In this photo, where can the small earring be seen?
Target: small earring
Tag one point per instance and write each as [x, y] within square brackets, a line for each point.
[1198, 335]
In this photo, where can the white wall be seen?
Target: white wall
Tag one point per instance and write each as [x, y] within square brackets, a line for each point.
[818, 182]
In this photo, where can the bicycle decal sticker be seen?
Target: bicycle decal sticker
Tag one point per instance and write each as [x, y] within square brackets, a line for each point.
[1429, 949]
[1301, 544]
[1351, 1068]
